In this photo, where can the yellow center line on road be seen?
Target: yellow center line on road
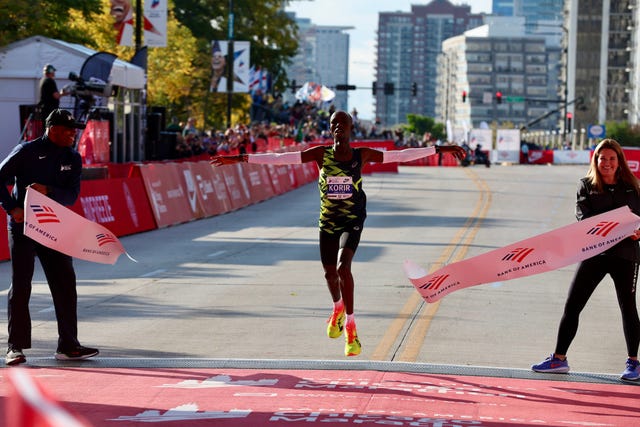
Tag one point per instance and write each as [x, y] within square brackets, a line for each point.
[416, 330]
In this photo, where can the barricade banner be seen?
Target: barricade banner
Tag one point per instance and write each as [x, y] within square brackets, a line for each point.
[300, 176]
[274, 179]
[59, 228]
[202, 173]
[575, 157]
[188, 182]
[4, 238]
[94, 142]
[257, 177]
[286, 176]
[120, 204]
[237, 186]
[311, 171]
[545, 252]
[166, 194]
[541, 157]
[220, 189]
[632, 154]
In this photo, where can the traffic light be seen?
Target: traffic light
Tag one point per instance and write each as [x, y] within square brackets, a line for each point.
[389, 88]
[414, 89]
[374, 88]
[293, 86]
[569, 117]
[464, 96]
[499, 97]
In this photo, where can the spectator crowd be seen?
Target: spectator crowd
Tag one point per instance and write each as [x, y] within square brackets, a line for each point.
[301, 122]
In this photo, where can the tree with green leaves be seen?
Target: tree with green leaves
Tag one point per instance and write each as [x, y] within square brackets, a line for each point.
[419, 124]
[625, 134]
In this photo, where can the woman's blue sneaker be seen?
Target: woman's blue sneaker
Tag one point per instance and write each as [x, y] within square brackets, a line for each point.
[552, 365]
[632, 372]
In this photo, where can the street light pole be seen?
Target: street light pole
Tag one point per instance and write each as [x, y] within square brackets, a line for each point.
[230, 63]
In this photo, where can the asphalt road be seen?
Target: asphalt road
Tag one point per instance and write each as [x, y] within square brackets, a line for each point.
[249, 284]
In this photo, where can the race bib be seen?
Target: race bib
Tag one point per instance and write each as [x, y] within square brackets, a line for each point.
[339, 187]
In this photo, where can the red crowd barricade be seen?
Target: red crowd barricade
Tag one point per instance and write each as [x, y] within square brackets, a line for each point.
[166, 194]
[204, 188]
[257, 177]
[120, 204]
[139, 197]
[237, 188]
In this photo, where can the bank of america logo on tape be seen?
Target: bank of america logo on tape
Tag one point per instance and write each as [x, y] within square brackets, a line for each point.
[44, 214]
[518, 254]
[104, 238]
[603, 228]
[435, 282]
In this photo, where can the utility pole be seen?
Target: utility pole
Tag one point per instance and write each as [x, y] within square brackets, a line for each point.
[230, 61]
[138, 25]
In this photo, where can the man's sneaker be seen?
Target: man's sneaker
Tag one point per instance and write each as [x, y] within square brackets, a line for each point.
[553, 365]
[632, 372]
[336, 324]
[78, 353]
[352, 345]
[14, 356]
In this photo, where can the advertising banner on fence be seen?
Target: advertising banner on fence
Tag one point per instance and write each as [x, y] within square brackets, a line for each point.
[508, 145]
[120, 204]
[166, 194]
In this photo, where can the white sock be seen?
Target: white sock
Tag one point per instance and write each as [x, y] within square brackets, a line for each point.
[351, 319]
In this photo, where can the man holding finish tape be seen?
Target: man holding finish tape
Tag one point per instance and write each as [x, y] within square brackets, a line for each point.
[342, 209]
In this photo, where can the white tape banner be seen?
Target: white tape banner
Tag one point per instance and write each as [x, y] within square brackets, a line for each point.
[545, 252]
[57, 227]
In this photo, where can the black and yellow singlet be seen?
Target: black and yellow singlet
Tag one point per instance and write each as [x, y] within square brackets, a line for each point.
[342, 200]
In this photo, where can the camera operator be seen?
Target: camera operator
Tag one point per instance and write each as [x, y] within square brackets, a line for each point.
[49, 95]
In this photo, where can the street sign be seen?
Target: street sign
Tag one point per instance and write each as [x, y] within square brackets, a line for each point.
[596, 131]
[514, 98]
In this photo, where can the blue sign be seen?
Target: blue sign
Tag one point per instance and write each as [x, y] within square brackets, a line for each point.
[596, 131]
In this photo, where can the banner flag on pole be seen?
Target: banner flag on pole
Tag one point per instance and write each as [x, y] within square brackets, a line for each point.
[545, 252]
[155, 23]
[59, 228]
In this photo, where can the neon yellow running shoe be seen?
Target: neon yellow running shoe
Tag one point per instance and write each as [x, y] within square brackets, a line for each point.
[352, 345]
[336, 324]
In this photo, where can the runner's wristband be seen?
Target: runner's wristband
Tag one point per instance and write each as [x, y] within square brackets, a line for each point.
[407, 155]
[293, 157]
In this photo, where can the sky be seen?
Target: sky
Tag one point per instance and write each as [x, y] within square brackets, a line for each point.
[363, 15]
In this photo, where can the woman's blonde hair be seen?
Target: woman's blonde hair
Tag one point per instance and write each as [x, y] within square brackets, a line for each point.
[623, 173]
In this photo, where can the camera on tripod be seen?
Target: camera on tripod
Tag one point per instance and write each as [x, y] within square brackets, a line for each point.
[93, 87]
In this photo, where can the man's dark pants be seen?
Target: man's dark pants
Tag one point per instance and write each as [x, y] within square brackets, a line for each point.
[58, 269]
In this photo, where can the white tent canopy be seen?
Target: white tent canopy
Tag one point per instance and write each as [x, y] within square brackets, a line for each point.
[21, 65]
[26, 58]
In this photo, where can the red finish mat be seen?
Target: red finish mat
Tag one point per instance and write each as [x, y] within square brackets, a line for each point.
[240, 397]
